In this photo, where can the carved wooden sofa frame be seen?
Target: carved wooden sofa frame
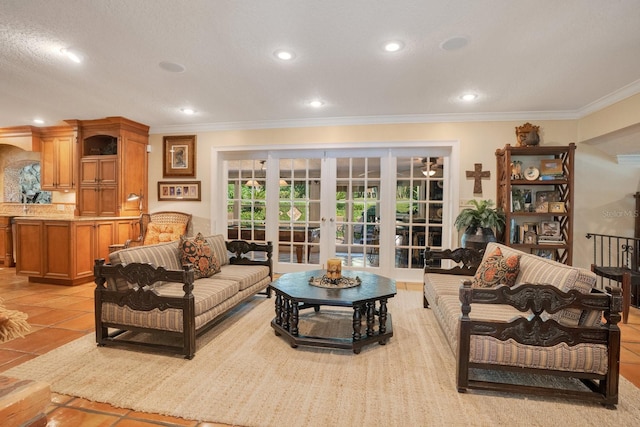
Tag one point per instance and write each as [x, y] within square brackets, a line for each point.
[143, 298]
[533, 330]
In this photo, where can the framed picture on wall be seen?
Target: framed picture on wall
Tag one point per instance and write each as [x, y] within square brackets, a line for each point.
[188, 191]
[179, 156]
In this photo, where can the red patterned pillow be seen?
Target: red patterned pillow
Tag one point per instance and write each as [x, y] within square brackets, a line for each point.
[197, 251]
[497, 270]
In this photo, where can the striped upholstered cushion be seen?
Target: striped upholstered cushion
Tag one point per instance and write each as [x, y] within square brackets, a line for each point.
[165, 255]
[207, 293]
[436, 285]
[171, 319]
[589, 358]
[535, 269]
[243, 274]
[219, 247]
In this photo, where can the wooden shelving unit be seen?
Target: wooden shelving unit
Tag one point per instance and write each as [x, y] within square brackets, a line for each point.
[506, 183]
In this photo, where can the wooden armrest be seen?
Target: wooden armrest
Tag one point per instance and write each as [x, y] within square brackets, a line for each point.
[468, 258]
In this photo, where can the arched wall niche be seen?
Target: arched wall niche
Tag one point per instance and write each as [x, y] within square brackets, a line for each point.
[20, 178]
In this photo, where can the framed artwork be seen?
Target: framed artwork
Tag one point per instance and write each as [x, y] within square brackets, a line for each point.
[179, 156]
[557, 207]
[188, 191]
[551, 167]
[530, 238]
[517, 200]
[550, 229]
[544, 197]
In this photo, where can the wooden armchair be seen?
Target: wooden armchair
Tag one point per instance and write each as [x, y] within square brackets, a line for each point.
[161, 227]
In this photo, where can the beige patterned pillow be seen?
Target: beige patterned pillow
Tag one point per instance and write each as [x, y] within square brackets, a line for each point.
[160, 233]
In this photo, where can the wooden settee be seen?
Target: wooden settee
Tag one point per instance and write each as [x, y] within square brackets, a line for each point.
[552, 324]
[147, 289]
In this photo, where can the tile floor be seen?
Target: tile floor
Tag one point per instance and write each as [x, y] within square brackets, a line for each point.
[60, 314]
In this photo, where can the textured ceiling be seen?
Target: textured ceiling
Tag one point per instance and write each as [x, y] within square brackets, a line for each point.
[529, 59]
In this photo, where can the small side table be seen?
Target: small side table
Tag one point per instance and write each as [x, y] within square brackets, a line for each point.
[116, 247]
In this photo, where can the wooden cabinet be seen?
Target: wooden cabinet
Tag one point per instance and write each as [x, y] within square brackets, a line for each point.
[64, 251]
[113, 164]
[56, 246]
[6, 241]
[127, 229]
[58, 158]
[92, 240]
[98, 186]
[29, 243]
[538, 206]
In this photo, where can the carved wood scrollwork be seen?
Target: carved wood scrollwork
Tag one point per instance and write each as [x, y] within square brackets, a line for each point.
[141, 276]
[470, 258]
[241, 247]
[538, 332]
[539, 298]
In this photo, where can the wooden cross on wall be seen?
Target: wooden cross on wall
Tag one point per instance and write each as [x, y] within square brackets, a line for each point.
[477, 174]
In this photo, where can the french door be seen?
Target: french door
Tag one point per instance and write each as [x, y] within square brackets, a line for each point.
[375, 212]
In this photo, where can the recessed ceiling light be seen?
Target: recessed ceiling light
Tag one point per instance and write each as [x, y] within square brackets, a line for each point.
[188, 111]
[469, 97]
[38, 121]
[316, 103]
[454, 43]
[72, 54]
[172, 67]
[285, 55]
[393, 46]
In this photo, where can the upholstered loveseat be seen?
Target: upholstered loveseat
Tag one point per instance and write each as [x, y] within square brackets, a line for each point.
[550, 325]
[150, 289]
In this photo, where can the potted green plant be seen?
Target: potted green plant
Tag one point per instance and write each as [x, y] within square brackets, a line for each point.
[479, 223]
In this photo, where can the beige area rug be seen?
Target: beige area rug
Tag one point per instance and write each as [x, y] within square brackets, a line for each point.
[244, 375]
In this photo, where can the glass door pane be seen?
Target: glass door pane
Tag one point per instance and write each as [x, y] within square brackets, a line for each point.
[299, 211]
[419, 209]
[357, 213]
[246, 200]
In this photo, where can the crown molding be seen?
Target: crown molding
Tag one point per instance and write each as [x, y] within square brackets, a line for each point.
[610, 99]
[365, 120]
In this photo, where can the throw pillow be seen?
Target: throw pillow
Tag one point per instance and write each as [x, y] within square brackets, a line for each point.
[160, 233]
[198, 252]
[497, 270]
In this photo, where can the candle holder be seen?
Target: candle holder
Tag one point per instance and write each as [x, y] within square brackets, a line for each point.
[334, 269]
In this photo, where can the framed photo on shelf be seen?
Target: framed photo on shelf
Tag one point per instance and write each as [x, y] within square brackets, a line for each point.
[557, 207]
[550, 230]
[530, 238]
[179, 156]
[517, 200]
[530, 226]
[551, 167]
[544, 253]
[543, 198]
[188, 191]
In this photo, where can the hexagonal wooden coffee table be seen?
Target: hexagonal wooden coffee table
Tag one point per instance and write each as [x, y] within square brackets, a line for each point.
[369, 300]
